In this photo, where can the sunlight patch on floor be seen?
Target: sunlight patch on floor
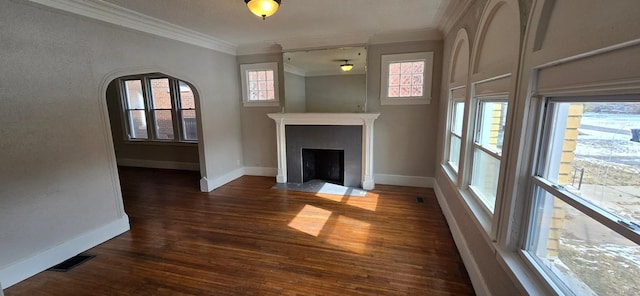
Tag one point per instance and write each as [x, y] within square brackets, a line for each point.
[310, 220]
[368, 202]
[349, 233]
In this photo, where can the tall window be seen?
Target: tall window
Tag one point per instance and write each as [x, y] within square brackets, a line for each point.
[167, 103]
[406, 78]
[456, 116]
[487, 150]
[585, 230]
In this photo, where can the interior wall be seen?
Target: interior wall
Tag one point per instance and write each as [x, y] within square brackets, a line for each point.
[258, 130]
[294, 92]
[58, 179]
[183, 153]
[404, 135]
[336, 93]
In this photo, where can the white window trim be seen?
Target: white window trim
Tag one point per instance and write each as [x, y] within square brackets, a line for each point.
[176, 107]
[272, 66]
[386, 59]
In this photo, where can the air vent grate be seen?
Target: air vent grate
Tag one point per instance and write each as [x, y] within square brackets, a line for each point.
[420, 199]
[72, 262]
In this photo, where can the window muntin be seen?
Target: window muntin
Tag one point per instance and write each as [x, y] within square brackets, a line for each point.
[455, 133]
[584, 232]
[406, 78]
[487, 150]
[260, 85]
[152, 98]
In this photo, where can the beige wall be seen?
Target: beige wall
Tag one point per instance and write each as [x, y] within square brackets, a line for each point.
[404, 136]
[58, 179]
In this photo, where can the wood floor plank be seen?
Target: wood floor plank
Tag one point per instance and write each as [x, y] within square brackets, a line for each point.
[245, 238]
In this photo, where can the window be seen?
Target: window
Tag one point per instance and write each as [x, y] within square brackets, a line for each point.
[487, 150]
[260, 84]
[406, 78]
[167, 103]
[585, 227]
[454, 134]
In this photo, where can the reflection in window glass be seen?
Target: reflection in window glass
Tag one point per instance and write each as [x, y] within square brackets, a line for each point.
[484, 178]
[492, 120]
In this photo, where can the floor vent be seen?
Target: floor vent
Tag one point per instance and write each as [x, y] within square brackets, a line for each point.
[420, 199]
[72, 262]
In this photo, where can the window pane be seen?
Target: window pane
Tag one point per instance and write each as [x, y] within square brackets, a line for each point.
[190, 129]
[161, 96]
[261, 85]
[187, 100]
[418, 67]
[394, 92]
[405, 91]
[457, 116]
[137, 125]
[394, 69]
[394, 80]
[484, 178]
[586, 256]
[454, 152]
[164, 124]
[406, 68]
[133, 93]
[492, 117]
[591, 154]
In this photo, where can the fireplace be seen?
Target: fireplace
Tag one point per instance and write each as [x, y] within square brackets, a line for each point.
[351, 132]
[323, 164]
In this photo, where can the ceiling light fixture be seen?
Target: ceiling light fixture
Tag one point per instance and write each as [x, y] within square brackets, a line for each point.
[263, 8]
[346, 67]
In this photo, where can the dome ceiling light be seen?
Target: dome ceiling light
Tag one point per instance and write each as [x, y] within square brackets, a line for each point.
[263, 8]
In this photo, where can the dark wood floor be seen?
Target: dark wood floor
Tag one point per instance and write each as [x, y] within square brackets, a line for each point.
[247, 239]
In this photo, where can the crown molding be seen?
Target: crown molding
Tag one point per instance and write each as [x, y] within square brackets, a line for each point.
[113, 14]
[405, 36]
[452, 14]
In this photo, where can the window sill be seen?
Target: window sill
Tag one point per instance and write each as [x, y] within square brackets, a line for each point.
[528, 280]
[404, 101]
[161, 143]
[261, 104]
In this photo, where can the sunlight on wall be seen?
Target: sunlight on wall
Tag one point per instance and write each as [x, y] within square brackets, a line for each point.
[310, 220]
[351, 234]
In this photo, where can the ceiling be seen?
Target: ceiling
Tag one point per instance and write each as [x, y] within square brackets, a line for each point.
[304, 23]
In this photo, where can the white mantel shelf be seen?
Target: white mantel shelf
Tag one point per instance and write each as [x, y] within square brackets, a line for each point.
[363, 119]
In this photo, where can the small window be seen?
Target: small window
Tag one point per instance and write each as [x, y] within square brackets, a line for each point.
[585, 225]
[406, 78]
[167, 103]
[487, 150]
[260, 84]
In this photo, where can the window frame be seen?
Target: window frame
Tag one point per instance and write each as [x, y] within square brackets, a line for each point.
[387, 59]
[244, 78]
[149, 110]
[538, 185]
[476, 146]
[451, 133]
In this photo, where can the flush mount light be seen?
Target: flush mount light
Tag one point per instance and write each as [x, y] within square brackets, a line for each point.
[346, 67]
[263, 8]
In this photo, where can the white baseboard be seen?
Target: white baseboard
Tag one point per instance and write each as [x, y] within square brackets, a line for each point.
[261, 171]
[477, 280]
[399, 180]
[207, 185]
[21, 270]
[159, 164]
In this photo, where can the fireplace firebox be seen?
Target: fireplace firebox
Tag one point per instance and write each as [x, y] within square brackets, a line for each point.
[323, 164]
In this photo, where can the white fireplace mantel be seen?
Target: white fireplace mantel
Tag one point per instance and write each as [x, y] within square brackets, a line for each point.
[363, 119]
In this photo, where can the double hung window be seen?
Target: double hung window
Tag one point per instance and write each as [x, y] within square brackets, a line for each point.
[456, 116]
[158, 108]
[585, 227]
[487, 150]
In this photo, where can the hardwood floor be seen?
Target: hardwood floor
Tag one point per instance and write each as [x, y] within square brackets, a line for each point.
[247, 239]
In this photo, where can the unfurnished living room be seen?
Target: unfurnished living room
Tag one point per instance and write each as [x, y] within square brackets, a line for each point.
[298, 147]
